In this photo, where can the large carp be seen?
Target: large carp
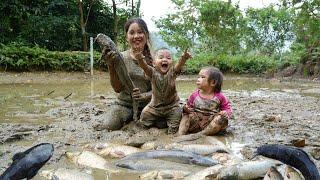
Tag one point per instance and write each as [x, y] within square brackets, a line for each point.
[292, 156]
[65, 174]
[173, 155]
[27, 164]
[202, 149]
[243, 170]
[90, 159]
[156, 164]
[111, 150]
[107, 45]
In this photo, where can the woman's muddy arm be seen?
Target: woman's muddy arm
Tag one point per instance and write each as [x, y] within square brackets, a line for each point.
[114, 80]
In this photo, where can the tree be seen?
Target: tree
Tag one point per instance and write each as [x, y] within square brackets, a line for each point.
[208, 26]
[134, 9]
[268, 29]
[83, 22]
[182, 28]
[222, 23]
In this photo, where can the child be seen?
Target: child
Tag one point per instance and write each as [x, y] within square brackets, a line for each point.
[207, 111]
[164, 104]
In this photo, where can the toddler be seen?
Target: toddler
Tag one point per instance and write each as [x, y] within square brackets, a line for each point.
[207, 111]
[164, 106]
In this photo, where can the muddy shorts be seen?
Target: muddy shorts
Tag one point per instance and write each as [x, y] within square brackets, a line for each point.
[199, 121]
[161, 118]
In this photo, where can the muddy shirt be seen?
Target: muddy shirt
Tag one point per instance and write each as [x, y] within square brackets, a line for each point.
[206, 106]
[138, 78]
[164, 93]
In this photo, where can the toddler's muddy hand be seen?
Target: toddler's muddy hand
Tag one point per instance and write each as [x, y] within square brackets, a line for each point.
[223, 114]
[136, 94]
[187, 109]
[186, 54]
[137, 52]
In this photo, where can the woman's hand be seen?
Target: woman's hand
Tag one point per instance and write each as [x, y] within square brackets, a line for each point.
[110, 56]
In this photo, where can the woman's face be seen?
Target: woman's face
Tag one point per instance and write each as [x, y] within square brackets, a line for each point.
[136, 37]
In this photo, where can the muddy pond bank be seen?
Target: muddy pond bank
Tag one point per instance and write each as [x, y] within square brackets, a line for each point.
[60, 108]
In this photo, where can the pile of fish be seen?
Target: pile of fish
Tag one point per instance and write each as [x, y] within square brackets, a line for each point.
[209, 159]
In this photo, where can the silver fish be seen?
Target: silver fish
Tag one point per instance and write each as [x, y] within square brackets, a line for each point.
[173, 155]
[273, 174]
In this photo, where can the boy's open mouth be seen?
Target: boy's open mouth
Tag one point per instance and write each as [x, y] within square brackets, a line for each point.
[164, 65]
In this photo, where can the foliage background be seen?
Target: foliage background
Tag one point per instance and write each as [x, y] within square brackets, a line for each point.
[217, 32]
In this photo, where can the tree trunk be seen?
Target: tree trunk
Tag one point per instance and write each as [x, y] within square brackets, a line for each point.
[115, 25]
[132, 8]
[83, 27]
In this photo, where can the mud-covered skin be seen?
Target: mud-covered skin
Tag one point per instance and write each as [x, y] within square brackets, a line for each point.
[292, 156]
[27, 164]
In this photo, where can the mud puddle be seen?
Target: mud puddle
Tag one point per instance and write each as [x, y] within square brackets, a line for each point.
[59, 108]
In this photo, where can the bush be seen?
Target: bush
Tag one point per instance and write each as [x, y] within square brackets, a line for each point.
[18, 57]
[242, 63]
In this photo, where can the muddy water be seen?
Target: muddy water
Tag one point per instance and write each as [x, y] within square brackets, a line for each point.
[60, 108]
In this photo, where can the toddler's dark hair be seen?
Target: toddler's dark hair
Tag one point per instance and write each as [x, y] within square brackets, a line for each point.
[216, 75]
[158, 49]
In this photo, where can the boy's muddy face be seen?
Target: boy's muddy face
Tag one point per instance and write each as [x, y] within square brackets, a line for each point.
[136, 37]
[163, 61]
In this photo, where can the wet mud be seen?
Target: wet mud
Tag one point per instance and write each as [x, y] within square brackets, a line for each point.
[261, 116]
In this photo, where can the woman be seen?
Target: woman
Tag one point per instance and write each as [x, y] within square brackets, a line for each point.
[120, 113]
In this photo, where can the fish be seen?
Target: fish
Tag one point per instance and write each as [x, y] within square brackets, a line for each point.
[273, 174]
[90, 159]
[291, 174]
[156, 164]
[173, 155]
[27, 164]
[243, 170]
[188, 137]
[202, 149]
[111, 150]
[152, 145]
[214, 141]
[292, 156]
[225, 158]
[65, 174]
[164, 174]
[107, 45]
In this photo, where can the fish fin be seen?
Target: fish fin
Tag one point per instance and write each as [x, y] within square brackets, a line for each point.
[18, 156]
[33, 171]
